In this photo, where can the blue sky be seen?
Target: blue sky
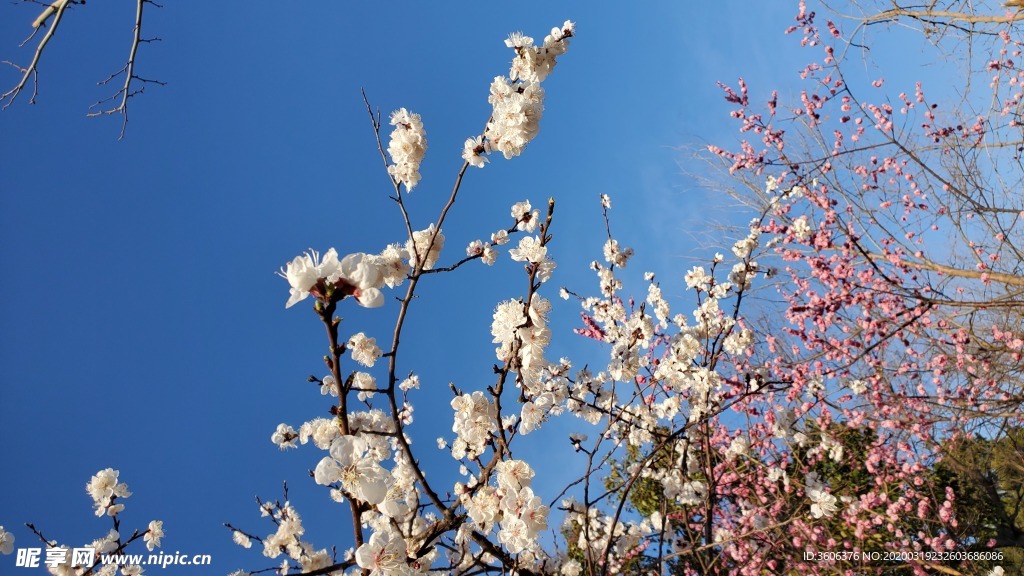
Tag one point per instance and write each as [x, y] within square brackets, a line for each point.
[143, 327]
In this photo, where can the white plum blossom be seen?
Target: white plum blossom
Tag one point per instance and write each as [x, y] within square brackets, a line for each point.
[474, 150]
[499, 238]
[393, 265]
[513, 475]
[407, 147]
[823, 504]
[737, 342]
[422, 241]
[153, 535]
[526, 218]
[658, 302]
[740, 446]
[742, 274]
[286, 538]
[801, 229]
[571, 568]
[413, 381]
[355, 468]
[745, 246]
[775, 474]
[6, 542]
[355, 275]
[474, 424]
[517, 111]
[616, 256]
[518, 100]
[321, 430]
[535, 63]
[508, 317]
[384, 554]
[483, 507]
[106, 544]
[697, 278]
[241, 539]
[328, 387]
[366, 385]
[783, 425]
[104, 488]
[514, 534]
[394, 504]
[285, 437]
[531, 417]
[364, 349]
[530, 250]
[488, 255]
[832, 447]
[302, 274]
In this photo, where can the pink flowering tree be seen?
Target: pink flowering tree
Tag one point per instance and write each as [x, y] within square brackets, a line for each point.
[891, 211]
[815, 429]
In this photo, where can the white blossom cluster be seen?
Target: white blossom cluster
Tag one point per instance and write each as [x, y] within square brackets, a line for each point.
[287, 541]
[518, 99]
[594, 529]
[364, 350]
[425, 246]
[828, 447]
[360, 275]
[475, 417]
[356, 467]
[105, 489]
[823, 504]
[522, 333]
[509, 505]
[407, 147]
[681, 380]
[355, 275]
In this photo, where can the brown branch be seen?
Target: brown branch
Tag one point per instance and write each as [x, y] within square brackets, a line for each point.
[951, 16]
[1000, 277]
[342, 566]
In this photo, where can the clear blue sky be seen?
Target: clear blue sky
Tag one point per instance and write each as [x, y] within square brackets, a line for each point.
[143, 327]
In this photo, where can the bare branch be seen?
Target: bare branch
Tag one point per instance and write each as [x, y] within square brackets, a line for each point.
[31, 71]
[945, 15]
[128, 71]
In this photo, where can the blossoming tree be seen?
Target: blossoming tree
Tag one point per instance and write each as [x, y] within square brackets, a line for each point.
[801, 434]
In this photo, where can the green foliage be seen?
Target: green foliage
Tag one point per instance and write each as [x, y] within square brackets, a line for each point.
[987, 476]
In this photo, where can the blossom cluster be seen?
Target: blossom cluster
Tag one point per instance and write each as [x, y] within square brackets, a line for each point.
[517, 100]
[407, 147]
[360, 275]
[106, 491]
[329, 278]
[287, 540]
[509, 505]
